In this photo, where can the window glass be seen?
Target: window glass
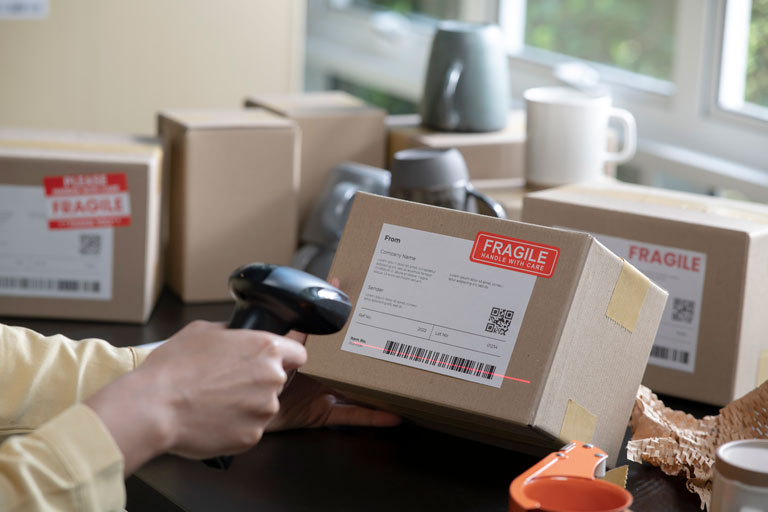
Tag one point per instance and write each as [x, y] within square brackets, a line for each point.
[636, 35]
[756, 90]
[466, 10]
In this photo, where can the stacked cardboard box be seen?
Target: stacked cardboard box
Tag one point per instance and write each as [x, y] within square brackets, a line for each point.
[710, 255]
[516, 334]
[492, 155]
[234, 195]
[335, 127]
[80, 225]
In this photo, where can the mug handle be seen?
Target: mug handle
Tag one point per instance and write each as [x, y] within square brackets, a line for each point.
[492, 204]
[627, 121]
[450, 83]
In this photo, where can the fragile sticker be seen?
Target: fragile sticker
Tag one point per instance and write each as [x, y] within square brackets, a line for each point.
[82, 201]
[514, 254]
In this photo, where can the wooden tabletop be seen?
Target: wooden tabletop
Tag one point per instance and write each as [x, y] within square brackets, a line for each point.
[406, 468]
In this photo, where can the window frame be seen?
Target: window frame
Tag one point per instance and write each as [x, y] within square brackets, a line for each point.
[683, 131]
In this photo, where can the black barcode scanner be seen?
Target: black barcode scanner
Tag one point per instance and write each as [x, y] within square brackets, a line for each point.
[278, 299]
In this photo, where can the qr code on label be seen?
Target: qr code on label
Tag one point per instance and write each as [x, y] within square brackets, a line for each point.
[90, 244]
[682, 310]
[499, 321]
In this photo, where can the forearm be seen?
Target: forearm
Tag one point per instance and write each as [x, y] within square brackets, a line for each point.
[42, 376]
[133, 410]
[70, 463]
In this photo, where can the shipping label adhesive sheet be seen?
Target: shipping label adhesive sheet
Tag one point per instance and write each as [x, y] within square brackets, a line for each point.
[36, 261]
[681, 272]
[425, 304]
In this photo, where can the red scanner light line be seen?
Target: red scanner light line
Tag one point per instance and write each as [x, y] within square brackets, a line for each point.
[436, 361]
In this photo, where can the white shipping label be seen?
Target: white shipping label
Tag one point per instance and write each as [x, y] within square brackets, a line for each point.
[681, 273]
[38, 262]
[424, 304]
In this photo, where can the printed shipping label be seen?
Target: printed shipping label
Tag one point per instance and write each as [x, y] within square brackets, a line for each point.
[80, 201]
[425, 304]
[38, 262]
[681, 273]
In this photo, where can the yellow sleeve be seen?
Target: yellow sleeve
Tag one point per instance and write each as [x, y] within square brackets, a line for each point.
[69, 463]
[41, 376]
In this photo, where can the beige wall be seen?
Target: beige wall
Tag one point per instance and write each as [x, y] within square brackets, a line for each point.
[109, 65]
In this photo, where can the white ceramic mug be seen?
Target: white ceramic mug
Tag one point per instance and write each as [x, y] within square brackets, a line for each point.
[567, 134]
[740, 478]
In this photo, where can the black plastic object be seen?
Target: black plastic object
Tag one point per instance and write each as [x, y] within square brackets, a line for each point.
[279, 299]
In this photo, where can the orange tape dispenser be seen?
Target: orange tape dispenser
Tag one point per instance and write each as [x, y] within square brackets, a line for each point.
[564, 481]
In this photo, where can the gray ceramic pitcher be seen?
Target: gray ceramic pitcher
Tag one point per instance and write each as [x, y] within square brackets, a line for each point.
[467, 83]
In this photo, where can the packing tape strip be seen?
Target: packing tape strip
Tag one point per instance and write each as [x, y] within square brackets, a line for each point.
[762, 368]
[139, 148]
[578, 424]
[617, 476]
[628, 296]
[700, 206]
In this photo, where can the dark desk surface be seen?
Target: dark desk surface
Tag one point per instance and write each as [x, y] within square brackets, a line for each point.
[404, 468]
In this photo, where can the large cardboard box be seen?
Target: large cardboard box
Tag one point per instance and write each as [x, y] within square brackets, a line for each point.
[492, 155]
[335, 127]
[80, 225]
[709, 253]
[511, 333]
[234, 192]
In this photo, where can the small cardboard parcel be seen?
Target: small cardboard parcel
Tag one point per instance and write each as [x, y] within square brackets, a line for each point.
[514, 334]
[80, 225]
[710, 254]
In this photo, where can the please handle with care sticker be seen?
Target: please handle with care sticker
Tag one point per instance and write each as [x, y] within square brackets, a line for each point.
[81, 201]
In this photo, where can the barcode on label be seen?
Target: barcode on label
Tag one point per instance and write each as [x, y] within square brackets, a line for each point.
[679, 356]
[62, 285]
[90, 244]
[499, 321]
[682, 310]
[439, 359]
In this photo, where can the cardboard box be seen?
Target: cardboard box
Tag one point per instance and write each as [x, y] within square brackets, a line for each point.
[539, 339]
[492, 155]
[234, 195]
[80, 225]
[335, 127]
[709, 253]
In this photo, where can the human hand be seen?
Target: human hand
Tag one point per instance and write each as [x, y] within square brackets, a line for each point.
[306, 403]
[207, 391]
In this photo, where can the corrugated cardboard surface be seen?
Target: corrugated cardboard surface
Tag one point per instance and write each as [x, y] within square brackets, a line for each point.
[233, 196]
[335, 127]
[600, 370]
[735, 296]
[27, 157]
[493, 155]
[600, 363]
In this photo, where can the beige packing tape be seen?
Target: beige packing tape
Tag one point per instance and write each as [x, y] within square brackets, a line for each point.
[628, 296]
[139, 148]
[762, 368]
[617, 476]
[578, 424]
[733, 212]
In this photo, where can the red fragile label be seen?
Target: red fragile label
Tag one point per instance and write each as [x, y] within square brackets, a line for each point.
[513, 254]
[82, 201]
